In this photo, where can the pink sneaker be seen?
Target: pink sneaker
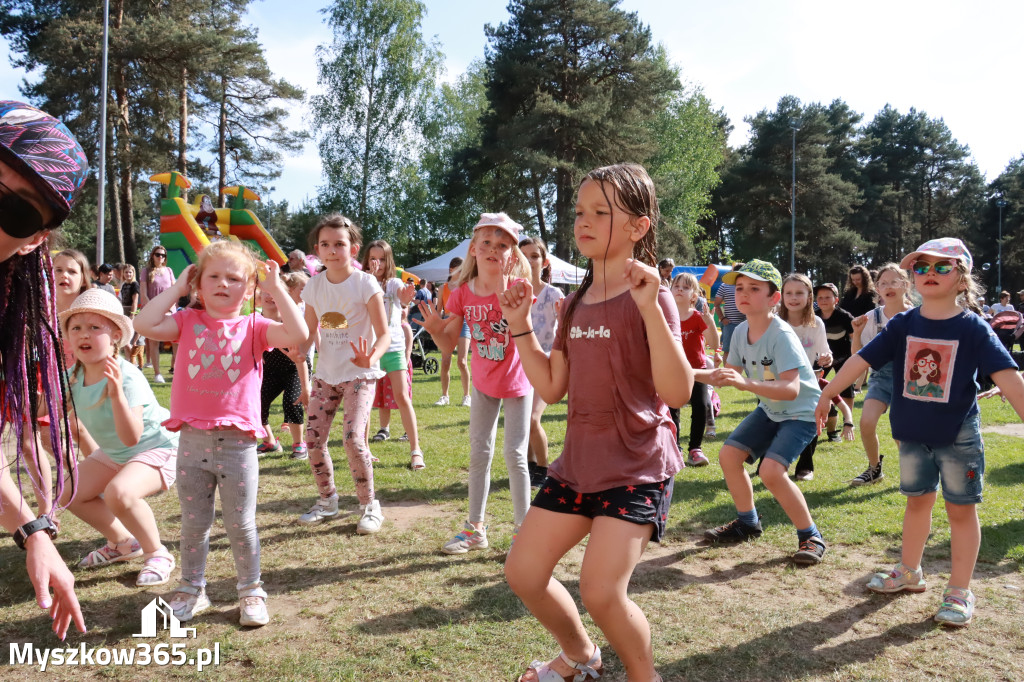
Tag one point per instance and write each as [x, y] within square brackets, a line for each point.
[697, 458]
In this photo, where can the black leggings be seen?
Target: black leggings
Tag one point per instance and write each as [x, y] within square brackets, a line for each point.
[700, 404]
[280, 375]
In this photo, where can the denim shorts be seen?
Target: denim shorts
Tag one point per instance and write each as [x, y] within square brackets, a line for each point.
[759, 436]
[727, 331]
[464, 334]
[959, 466]
[880, 385]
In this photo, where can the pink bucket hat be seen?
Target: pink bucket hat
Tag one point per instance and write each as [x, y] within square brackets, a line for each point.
[945, 247]
[502, 222]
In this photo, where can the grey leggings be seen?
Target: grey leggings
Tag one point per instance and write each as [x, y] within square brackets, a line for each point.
[483, 427]
[225, 459]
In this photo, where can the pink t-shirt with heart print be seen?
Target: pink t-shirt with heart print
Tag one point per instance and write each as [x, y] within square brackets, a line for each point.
[218, 372]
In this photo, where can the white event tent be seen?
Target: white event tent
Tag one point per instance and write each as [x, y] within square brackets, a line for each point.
[436, 270]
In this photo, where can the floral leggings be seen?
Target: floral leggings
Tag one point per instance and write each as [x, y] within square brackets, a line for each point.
[355, 398]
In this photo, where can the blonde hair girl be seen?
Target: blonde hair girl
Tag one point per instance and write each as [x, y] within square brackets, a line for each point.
[938, 428]
[492, 264]
[893, 288]
[136, 456]
[215, 407]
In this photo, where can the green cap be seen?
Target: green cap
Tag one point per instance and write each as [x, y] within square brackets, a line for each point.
[760, 270]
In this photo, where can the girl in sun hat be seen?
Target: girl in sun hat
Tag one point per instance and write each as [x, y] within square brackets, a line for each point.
[939, 434]
[136, 456]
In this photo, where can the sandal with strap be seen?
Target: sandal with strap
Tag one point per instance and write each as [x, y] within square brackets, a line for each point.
[157, 569]
[591, 670]
[109, 555]
[416, 462]
[381, 436]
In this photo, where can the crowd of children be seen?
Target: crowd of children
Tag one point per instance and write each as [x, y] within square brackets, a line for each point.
[613, 480]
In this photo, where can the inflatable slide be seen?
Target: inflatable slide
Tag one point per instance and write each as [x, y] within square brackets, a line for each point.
[185, 229]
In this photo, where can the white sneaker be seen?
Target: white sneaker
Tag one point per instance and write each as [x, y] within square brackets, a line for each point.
[372, 519]
[466, 401]
[159, 379]
[442, 401]
[252, 612]
[469, 538]
[187, 601]
[321, 511]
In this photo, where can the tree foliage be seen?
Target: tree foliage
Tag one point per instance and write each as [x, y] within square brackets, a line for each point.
[572, 84]
[377, 76]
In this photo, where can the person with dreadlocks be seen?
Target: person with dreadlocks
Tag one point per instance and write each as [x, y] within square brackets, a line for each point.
[42, 169]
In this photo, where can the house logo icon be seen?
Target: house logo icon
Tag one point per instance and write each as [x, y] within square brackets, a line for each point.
[158, 611]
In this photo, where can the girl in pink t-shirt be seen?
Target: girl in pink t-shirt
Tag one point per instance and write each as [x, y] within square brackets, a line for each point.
[618, 354]
[215, 407]
[156, 278]
[493, 262]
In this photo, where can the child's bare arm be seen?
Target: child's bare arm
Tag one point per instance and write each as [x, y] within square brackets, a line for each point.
[1011, 385]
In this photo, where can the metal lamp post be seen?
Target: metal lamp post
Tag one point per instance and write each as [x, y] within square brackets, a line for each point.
[1001, 203]
[794, 124]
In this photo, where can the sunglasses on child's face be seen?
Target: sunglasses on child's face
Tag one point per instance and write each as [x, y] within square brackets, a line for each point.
[943, 267]
[18, 217]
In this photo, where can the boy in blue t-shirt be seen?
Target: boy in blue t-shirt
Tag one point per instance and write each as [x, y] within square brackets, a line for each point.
[769, 353]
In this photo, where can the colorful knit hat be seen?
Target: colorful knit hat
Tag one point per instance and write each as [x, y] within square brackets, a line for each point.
[45, 151]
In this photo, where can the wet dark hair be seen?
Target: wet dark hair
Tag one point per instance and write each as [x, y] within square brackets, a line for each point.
[634, 195]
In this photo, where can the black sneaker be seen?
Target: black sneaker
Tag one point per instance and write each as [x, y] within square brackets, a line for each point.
[835, 437]
[537, 476]
[871, 475]
[811, 551]
[734, 531]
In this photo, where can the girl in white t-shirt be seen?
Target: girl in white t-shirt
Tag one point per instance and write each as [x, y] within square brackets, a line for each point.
[545, 322]
[345, 316]
[892, 284]
[379, 261]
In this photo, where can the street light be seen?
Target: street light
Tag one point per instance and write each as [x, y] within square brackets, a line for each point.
[795, 125]
[1001, 203]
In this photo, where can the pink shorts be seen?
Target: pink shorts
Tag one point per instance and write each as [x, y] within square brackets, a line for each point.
[161, 459]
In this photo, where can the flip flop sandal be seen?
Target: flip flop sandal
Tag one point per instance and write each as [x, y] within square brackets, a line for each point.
[156, 570]
[109, 555]
[416, 462]
[591, 670]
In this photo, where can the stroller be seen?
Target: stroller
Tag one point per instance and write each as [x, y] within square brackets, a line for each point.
[420, 348]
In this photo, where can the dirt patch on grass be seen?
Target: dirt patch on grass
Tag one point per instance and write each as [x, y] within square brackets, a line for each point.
[1006, 430]
[405, 515]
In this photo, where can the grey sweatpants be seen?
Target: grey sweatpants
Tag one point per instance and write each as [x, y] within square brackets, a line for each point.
[224, 460]
[483, 427]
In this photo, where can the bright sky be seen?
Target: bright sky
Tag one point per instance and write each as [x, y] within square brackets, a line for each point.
[951, 59]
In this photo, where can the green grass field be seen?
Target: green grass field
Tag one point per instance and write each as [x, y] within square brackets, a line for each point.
[392, 607]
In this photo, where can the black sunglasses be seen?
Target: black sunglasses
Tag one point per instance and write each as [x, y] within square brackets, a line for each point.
[18, 217]
[162, 254]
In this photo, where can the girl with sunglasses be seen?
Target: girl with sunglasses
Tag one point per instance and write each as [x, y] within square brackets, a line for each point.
[945, 344]
[157, 278]
[42, 169]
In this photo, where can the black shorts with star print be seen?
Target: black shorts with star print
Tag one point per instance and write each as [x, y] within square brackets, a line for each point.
[645, 503]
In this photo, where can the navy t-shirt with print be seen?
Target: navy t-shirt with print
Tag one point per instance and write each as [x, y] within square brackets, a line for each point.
[935, 364]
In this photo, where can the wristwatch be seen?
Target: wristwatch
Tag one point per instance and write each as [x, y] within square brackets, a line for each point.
[35, 525]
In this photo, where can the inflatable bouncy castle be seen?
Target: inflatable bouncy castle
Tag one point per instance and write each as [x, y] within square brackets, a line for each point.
[185, 229]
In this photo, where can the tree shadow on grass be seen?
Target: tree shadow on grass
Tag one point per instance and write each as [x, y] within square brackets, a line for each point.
[777, 654]
[1010, 474]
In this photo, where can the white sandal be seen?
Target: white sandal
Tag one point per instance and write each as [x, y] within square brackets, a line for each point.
[591, 670]
[157, 569]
